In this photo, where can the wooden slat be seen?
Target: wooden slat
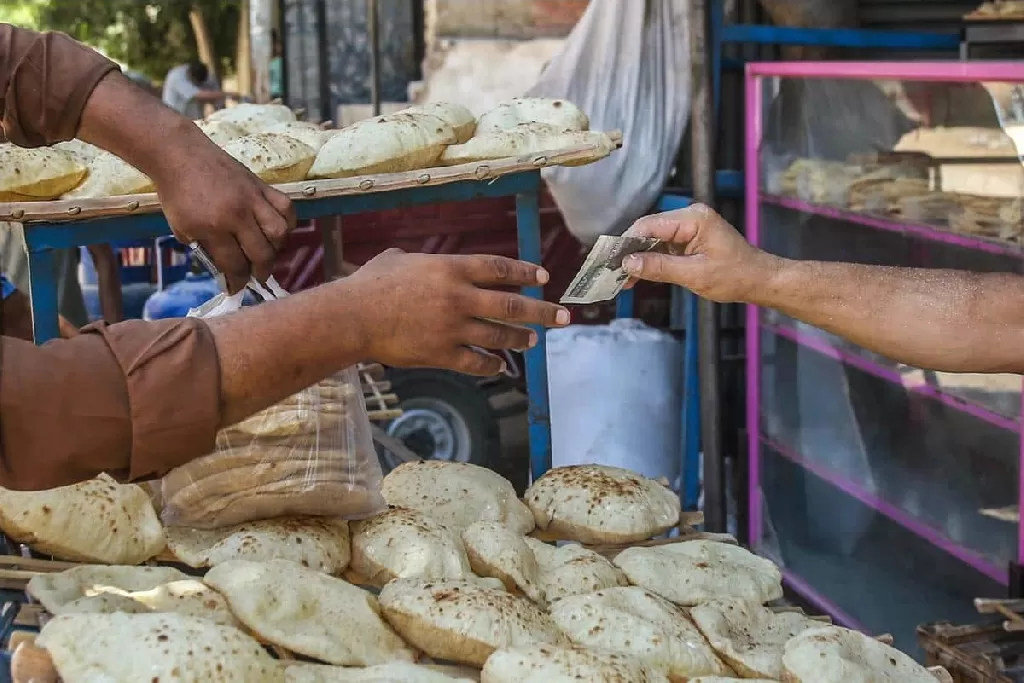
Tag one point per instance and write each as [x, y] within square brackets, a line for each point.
[129, 205]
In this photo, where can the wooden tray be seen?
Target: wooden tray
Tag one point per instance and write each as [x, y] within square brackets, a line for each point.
[128, 205]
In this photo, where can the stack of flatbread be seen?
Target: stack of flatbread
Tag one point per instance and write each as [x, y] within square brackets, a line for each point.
[311, 454]
[819, 182]
[459, 582]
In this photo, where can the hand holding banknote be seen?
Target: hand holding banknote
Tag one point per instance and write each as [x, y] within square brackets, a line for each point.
[712, 259]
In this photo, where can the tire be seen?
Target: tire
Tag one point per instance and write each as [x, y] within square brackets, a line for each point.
[447, 416]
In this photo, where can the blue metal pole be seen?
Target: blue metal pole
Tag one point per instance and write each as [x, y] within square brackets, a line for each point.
[691, 407]
[42, 271]
[539, 416]
[624, 304]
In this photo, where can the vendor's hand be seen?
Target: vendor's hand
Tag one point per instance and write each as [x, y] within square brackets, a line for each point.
[424, 310]
[714, 261]
[211, 198]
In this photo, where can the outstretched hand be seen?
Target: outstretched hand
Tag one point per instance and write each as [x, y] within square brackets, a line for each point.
[714, 261]
[425, 310]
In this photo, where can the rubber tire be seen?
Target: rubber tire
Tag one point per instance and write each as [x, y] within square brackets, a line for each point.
[464, 396]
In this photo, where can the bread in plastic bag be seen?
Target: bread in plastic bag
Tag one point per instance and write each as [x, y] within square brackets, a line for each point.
[311, 454]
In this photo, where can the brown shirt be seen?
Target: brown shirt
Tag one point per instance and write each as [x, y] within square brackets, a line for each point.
[133, 399]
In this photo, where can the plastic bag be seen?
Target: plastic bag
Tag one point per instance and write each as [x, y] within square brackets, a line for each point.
[627, 64]
[310, 454]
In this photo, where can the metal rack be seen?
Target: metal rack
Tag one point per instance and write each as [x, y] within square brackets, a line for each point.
[710, 34]
[68, 224]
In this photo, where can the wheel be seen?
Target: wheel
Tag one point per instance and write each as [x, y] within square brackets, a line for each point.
[446, 416]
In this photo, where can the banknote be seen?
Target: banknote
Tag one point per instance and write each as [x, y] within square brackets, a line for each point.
[601, 278]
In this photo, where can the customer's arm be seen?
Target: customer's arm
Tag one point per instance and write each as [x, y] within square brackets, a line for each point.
[139, 398]
[947, 320]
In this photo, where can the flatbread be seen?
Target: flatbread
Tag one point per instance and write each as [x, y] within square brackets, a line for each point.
[837, 655]
[221, 132]
[318, 543]
[456, 494]
[253, 118]
[498, 552]
[598, 504]
[457, 116]
[402, 543]
[273, 157]
[693, 572]
[81, 150]
[129, 648]
[630, 621]
[548, 664]
[571, 569]
[725, 679]
[396, 672]
[37, 174]
[560, 114]
[749, 636]
[527, 139]
[305, 132]
[110, 176]
[463, 621]
[98, 521]
[308, 612]
[385, 144]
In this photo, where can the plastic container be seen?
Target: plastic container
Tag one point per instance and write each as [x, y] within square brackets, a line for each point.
[616, 396]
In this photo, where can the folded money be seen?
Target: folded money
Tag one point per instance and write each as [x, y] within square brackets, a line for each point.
[601, 277]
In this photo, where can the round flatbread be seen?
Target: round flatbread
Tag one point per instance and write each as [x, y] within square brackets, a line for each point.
[273, 157]
[456, 494]
[315, 542]
[464, 621]
[833, 654]
[402, 543]
[549, 664]
[308, 612]
[571, 569]
[600, 504]
[86, 648]
[253, 118]
[460, 118]
[631, 621]
[693, 572]
[748, 635]
[498, 552]
[560, 114]
[37, 174]
[528, 139]
[98, 520]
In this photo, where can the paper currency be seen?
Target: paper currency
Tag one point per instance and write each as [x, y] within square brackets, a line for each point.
[601, 278]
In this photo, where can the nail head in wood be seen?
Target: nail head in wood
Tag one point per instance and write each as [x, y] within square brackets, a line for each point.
[75, 210]
[309, 190]
[423, 178]
[18, 213]
[366, 184]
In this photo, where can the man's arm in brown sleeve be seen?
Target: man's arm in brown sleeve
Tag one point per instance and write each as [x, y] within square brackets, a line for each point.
[53, 77]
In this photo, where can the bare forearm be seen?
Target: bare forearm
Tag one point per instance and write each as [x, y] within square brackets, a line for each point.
[124, 119]
[271, 351]
[947, 320]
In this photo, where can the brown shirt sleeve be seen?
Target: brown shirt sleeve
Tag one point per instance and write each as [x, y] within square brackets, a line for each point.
[134, 399]
[45, 81]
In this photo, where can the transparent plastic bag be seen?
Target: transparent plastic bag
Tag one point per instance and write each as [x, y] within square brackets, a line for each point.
[310, 454]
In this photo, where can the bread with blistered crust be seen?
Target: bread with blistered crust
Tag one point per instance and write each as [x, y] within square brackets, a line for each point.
[464, 621]
[549, 664]
[598, 504]
[833, 654]
[402, 543]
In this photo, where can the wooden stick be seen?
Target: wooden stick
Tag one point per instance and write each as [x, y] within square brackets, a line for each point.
[129, 205]
[396, 447]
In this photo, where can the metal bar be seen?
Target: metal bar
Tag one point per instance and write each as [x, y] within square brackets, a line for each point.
[839, 37]
[538, 413]
[751, 181]
[42, 271]
[282, 35]
[625, 304]
[935, 71]
[823, 347]
[703, 144]
[893, 513]
[691, 404]
[323, 62]
[373, 26]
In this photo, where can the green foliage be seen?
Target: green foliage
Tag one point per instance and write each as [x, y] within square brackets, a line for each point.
[149, 37]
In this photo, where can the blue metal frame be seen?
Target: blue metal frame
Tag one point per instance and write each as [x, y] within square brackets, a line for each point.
[42, 238]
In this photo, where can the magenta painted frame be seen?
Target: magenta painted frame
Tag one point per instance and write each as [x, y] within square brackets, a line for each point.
[911, 71]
